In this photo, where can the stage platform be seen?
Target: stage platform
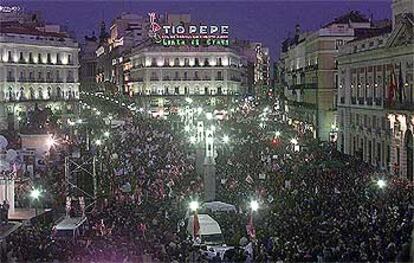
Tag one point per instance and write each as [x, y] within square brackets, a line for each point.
[24, 214]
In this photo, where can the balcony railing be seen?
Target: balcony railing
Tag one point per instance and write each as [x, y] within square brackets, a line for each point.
[369, 101]
[10, 79]
[361, 100]
[405, 105]
[378, 101]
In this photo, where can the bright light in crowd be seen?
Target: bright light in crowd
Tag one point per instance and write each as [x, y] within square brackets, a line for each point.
[193, 139]
[213, 128]
[35, 194]
[50, 141]
[98, 142]
[19, 118]
[194, 205]
[106, 134]
[141, 109]
[254, 205]
[381, 183]
[187, 128]
[79, 121]
[333, 126]
[98, 113]
[294, 141]
[199, 110]
[277, 134]
[226, 139]
[209, 115]
[189, 100]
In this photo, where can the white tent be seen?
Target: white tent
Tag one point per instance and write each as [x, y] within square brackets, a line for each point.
[218, 206]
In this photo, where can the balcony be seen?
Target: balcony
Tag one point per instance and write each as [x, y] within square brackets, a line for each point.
[154, 79]
[369, 101]
[70, 80]
[361, 100]
[166, 78]
[219, 78]
[404, 106]
[342, 100]
[59, 80]
[11, 79]
[378, 101]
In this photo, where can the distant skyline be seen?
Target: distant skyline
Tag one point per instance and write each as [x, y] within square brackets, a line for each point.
[268, 22]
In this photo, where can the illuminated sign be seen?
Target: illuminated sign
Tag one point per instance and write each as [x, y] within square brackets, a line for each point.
[9, 9]
[188, 35]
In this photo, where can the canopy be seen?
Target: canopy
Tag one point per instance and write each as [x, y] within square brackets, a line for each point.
[70, 223]
[218, 206]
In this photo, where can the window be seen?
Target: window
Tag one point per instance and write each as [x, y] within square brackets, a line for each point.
[196, 62]
[57, 75]
[219, 75]
[69, 59]
[31, 75]
[176, 62]
[220, 62]
[9, 56]
[58, 58]
[185, 75]
[176, 90]
[186, 61]
[39, 58]
[339, 42]
[21, 56]
[177, 76]
[49, 58]
[40, 75]
[30, 57]
[9, 75]
[49, 75]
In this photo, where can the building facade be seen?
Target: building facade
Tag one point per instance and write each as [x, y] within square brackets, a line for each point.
[87, 61]
[39, 66]
[376, 95]
[161, 73]
[308, 69]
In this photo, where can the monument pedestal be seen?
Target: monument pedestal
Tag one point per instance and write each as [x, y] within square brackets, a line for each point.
[209, 180]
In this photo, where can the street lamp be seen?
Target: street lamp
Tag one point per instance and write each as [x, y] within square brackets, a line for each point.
[193, 139]
[294, 141]
[194, 206]
[209, 115]
[277, 134]
[381, 183]
[226, 139]
[35, 194]
[254, 205]
[106, 134]
[98, 142]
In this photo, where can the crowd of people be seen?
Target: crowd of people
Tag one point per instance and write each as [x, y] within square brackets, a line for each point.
[316, 204]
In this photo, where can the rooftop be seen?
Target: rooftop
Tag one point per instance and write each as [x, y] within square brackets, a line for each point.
[17, 28]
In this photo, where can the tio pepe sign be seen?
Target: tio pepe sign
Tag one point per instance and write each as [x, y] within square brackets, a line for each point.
[188, 35]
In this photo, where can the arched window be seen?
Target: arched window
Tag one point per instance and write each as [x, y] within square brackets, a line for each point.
[10, 93]
[176, 62]
[22, 97]
[32, 94]
[40, 96]
[58, 93]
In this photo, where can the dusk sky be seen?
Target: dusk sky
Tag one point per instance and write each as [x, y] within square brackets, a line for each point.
[264, 21]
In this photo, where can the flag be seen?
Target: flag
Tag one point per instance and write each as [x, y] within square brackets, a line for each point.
[391, 88]
[251, 232]
[249, 179]
[196, 226]
[400, 86]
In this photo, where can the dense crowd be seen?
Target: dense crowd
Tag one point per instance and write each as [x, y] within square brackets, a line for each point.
[315, 203]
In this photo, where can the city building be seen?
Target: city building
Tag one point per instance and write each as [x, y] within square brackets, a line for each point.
[161, 74]
[308, 72]
[126, 31]
[39, 69]
[257, 65]
[87, 61]
[375, 95]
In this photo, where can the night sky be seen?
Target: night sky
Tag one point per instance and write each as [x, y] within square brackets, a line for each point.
[264, 21]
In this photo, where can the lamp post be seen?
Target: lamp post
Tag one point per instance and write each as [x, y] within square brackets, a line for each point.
[35, 194]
